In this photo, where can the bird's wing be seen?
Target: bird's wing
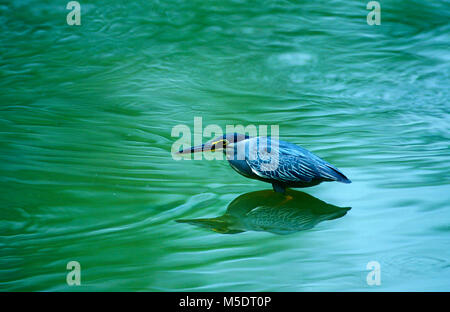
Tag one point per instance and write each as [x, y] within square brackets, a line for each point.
[288, 163]
[289, 169]
[279, 164]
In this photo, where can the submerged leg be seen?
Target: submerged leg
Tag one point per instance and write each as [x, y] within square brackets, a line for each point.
[278, 188]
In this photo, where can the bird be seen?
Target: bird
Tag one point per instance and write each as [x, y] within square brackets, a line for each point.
[268, 159]
[271, 212]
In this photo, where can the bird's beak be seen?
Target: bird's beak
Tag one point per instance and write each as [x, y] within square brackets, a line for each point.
[199, 148]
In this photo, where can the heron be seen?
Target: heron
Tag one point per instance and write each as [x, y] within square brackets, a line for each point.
[268, 159]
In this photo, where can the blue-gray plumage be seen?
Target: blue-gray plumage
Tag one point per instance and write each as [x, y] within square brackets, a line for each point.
[274, 161]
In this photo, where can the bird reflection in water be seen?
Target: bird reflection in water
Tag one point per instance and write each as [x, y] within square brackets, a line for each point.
[271, 212]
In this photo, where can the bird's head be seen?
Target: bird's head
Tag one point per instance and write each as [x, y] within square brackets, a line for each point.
[217, 144]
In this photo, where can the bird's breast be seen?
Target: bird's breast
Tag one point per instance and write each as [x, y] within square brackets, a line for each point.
[241, 167]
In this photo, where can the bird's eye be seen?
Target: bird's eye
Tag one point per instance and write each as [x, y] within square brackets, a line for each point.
[219, 144]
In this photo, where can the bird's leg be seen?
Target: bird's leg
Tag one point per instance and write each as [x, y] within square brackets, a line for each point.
[279, 188]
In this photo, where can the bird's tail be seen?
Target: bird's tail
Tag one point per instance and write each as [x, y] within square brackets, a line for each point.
[330, 172]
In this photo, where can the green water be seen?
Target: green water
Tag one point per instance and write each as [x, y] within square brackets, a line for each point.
[85, 138]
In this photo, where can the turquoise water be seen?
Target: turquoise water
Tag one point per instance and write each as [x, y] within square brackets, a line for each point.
[85, 139]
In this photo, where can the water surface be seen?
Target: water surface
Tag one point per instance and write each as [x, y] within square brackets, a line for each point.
[85, 139]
